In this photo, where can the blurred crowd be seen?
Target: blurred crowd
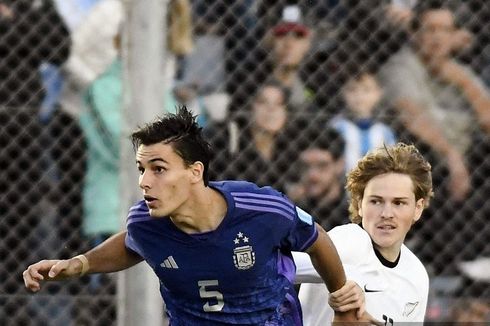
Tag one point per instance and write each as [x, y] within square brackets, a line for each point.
[289, 93]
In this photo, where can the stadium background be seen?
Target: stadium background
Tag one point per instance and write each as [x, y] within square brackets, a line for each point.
[43, 148]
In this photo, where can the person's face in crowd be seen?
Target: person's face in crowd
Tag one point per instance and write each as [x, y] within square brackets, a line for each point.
[6, 12]
[269, 110]
[388, 210]
[362, 94]
[289, 49]
[320, 172]
[435, 35]
[165, 179]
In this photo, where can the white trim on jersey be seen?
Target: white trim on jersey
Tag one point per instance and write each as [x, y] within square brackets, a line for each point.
[397, 294]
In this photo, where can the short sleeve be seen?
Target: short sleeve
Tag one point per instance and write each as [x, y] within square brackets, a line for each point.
[302, 232]
[137, 213]
[131, 244]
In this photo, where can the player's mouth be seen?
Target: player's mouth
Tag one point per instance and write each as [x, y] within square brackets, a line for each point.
[386, 227]
[150, 200]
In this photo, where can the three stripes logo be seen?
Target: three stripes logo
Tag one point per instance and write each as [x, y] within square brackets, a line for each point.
[169, 263]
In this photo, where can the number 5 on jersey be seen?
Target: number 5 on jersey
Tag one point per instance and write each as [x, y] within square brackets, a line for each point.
[206, 293]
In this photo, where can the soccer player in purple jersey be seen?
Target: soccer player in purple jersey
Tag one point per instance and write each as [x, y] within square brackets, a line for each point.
[222, 250]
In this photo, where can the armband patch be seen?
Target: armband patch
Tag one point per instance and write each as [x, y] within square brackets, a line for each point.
[304, 216]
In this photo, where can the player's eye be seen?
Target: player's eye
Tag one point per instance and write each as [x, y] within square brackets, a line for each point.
[159, 169]
[141, 170]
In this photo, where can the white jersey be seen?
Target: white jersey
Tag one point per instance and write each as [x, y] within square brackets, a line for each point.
[395, 292]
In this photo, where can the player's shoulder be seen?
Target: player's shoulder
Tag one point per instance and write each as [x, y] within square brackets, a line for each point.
[245, 197]
[352, 242]
[139, 212]
[241, 187]
[414, 262]
[350, 231]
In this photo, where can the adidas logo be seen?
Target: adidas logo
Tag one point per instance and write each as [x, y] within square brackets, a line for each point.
[169, 263]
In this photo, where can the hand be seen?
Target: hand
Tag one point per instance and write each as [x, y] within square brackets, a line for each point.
[461, 40]
[349, 297]
[6, 12]
[449, 71]
[399, 16]
[349, 319]
[50, 270]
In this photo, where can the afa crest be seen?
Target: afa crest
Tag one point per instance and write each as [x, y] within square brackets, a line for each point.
[243, 256]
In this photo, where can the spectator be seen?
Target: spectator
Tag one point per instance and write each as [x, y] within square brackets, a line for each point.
[101, 124]
[290, 42]
[358, 122]
[283, 43]
[439, 100]
[361, 35]
[29, 36]
[32, 171]
[444, 105]
[320, 188]
[31, 33]
[201, 75]
[92, 51]
[252, 142]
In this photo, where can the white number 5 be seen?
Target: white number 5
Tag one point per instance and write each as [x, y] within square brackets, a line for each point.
[205, 294]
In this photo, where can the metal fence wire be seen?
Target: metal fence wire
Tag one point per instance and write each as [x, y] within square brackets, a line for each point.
[267, 79]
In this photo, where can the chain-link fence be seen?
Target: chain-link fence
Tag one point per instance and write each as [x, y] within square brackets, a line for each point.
[267, 78]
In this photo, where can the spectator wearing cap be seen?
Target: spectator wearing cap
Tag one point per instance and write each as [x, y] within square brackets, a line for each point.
[290, 42]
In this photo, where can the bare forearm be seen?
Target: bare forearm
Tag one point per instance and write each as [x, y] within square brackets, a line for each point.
[479, 100]
[422, 126]
[326, 261]
[111, 256]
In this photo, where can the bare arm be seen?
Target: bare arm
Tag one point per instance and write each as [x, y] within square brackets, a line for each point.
[422, 126]
[110, 256]
[476, 95]
[327, 262]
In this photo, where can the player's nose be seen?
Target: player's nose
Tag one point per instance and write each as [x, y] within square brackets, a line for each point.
[144, 181]
[387, 211]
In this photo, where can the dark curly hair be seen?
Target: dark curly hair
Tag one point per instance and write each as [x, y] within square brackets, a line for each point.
[182, 132]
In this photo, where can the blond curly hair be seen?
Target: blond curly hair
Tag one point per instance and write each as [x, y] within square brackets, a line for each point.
[399, 158]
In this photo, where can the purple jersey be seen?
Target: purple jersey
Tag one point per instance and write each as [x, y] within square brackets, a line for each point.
[239, 274]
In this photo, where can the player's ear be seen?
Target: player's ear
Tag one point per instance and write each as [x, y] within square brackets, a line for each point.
[197, 171]
[419, 208]
[359, 207]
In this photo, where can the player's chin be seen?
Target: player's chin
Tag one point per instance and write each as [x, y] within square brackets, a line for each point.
[157, 212]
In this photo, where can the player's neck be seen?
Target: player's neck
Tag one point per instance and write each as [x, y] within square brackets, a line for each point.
[203, 213]
[391, 254]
